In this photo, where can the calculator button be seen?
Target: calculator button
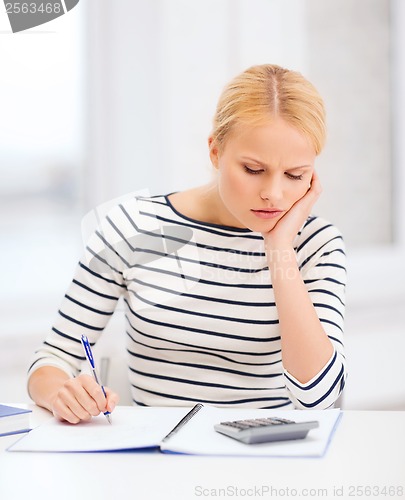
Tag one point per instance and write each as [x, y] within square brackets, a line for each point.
[284, 421]
[264, 430]
[257, 422]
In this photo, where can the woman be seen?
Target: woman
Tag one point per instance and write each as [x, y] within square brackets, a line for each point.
[234, 293]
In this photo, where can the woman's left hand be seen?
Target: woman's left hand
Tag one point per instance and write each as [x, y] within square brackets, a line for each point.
[287, 228]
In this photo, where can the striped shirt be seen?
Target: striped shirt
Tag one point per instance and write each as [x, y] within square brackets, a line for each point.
[201, 320]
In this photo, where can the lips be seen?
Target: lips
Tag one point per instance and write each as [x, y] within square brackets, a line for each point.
[267, 213]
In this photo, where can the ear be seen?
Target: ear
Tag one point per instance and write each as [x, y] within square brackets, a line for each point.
[213, 148]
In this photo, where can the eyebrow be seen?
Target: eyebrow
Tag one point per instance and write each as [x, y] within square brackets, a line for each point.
[265, 165]
[301, 166]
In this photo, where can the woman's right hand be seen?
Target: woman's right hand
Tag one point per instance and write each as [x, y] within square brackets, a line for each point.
[81, 398]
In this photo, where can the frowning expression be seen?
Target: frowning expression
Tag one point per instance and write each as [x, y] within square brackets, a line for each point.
[262, 172]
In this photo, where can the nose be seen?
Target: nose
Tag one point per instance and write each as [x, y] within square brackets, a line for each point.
[272, 190]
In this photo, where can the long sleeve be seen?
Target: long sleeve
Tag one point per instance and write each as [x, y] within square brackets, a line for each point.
[88, 303]
[322, 260]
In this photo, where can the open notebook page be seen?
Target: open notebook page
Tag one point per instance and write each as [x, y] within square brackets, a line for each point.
[131, 428]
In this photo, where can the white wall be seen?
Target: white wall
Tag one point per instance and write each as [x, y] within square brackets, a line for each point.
[155, 72]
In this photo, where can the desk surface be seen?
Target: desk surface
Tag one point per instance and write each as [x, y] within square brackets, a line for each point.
[366, 455]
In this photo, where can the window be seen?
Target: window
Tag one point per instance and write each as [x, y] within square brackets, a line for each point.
[41, 162]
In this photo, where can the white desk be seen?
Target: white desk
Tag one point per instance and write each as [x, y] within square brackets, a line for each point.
[368, 450]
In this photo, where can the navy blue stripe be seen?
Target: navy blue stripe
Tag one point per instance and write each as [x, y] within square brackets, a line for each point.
[81, 358]
[195, 382]
[305, 242]
[203, 281]
[231, 251]
[65, 335]
[331, 280]
[35, 362]
[100, 276]
[138, 403]
[203, 297]
[340, 250]
[205, 315]
[100, 259]
[342, 385]
[198, 330]
[204, 353]
[309, 220]
[209, 228]
[318, 380]
[329, 264]
[208, 401]
[288, 403]
[323, 320]
[154, 200]
[201, 262]
[193, 346]
[328, 292]
[113, 250]
[85, 325]
[169, 204]
[205, 367]
[335, 340]
[326, 306]
[317, 251]
[94, 291]
[318, 401]
[88, 307]
[120, 233]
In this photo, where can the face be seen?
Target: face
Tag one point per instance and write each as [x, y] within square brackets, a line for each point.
[262, 172]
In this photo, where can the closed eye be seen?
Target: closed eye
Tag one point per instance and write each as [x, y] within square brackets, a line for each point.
[252, 171]
[294, 177]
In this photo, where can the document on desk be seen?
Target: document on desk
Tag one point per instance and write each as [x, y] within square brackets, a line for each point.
[136, 428]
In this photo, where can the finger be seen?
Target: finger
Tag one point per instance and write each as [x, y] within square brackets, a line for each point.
[315, 185]
[93, 397]
[311, 196]
[66, 407]
[64, 413]
[112, 399]
[77, 400]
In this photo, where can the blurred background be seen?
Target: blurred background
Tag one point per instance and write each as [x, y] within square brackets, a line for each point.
[117, 96]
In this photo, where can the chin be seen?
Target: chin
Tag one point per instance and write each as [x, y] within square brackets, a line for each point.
[262, 227]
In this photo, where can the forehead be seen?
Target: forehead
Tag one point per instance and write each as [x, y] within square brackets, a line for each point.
[270, 142]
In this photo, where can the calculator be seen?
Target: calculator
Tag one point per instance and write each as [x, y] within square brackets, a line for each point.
[265, 430]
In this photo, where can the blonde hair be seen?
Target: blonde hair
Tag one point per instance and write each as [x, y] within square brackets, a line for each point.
[266, 91]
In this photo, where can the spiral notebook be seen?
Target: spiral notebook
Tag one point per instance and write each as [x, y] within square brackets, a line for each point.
[176, 430]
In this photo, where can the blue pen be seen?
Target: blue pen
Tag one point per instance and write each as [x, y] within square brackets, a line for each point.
[89, 356]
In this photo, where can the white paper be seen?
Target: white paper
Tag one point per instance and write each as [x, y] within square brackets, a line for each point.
[131, 428]
[199, 437]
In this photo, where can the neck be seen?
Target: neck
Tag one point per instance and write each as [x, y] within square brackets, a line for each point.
[213, 207]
